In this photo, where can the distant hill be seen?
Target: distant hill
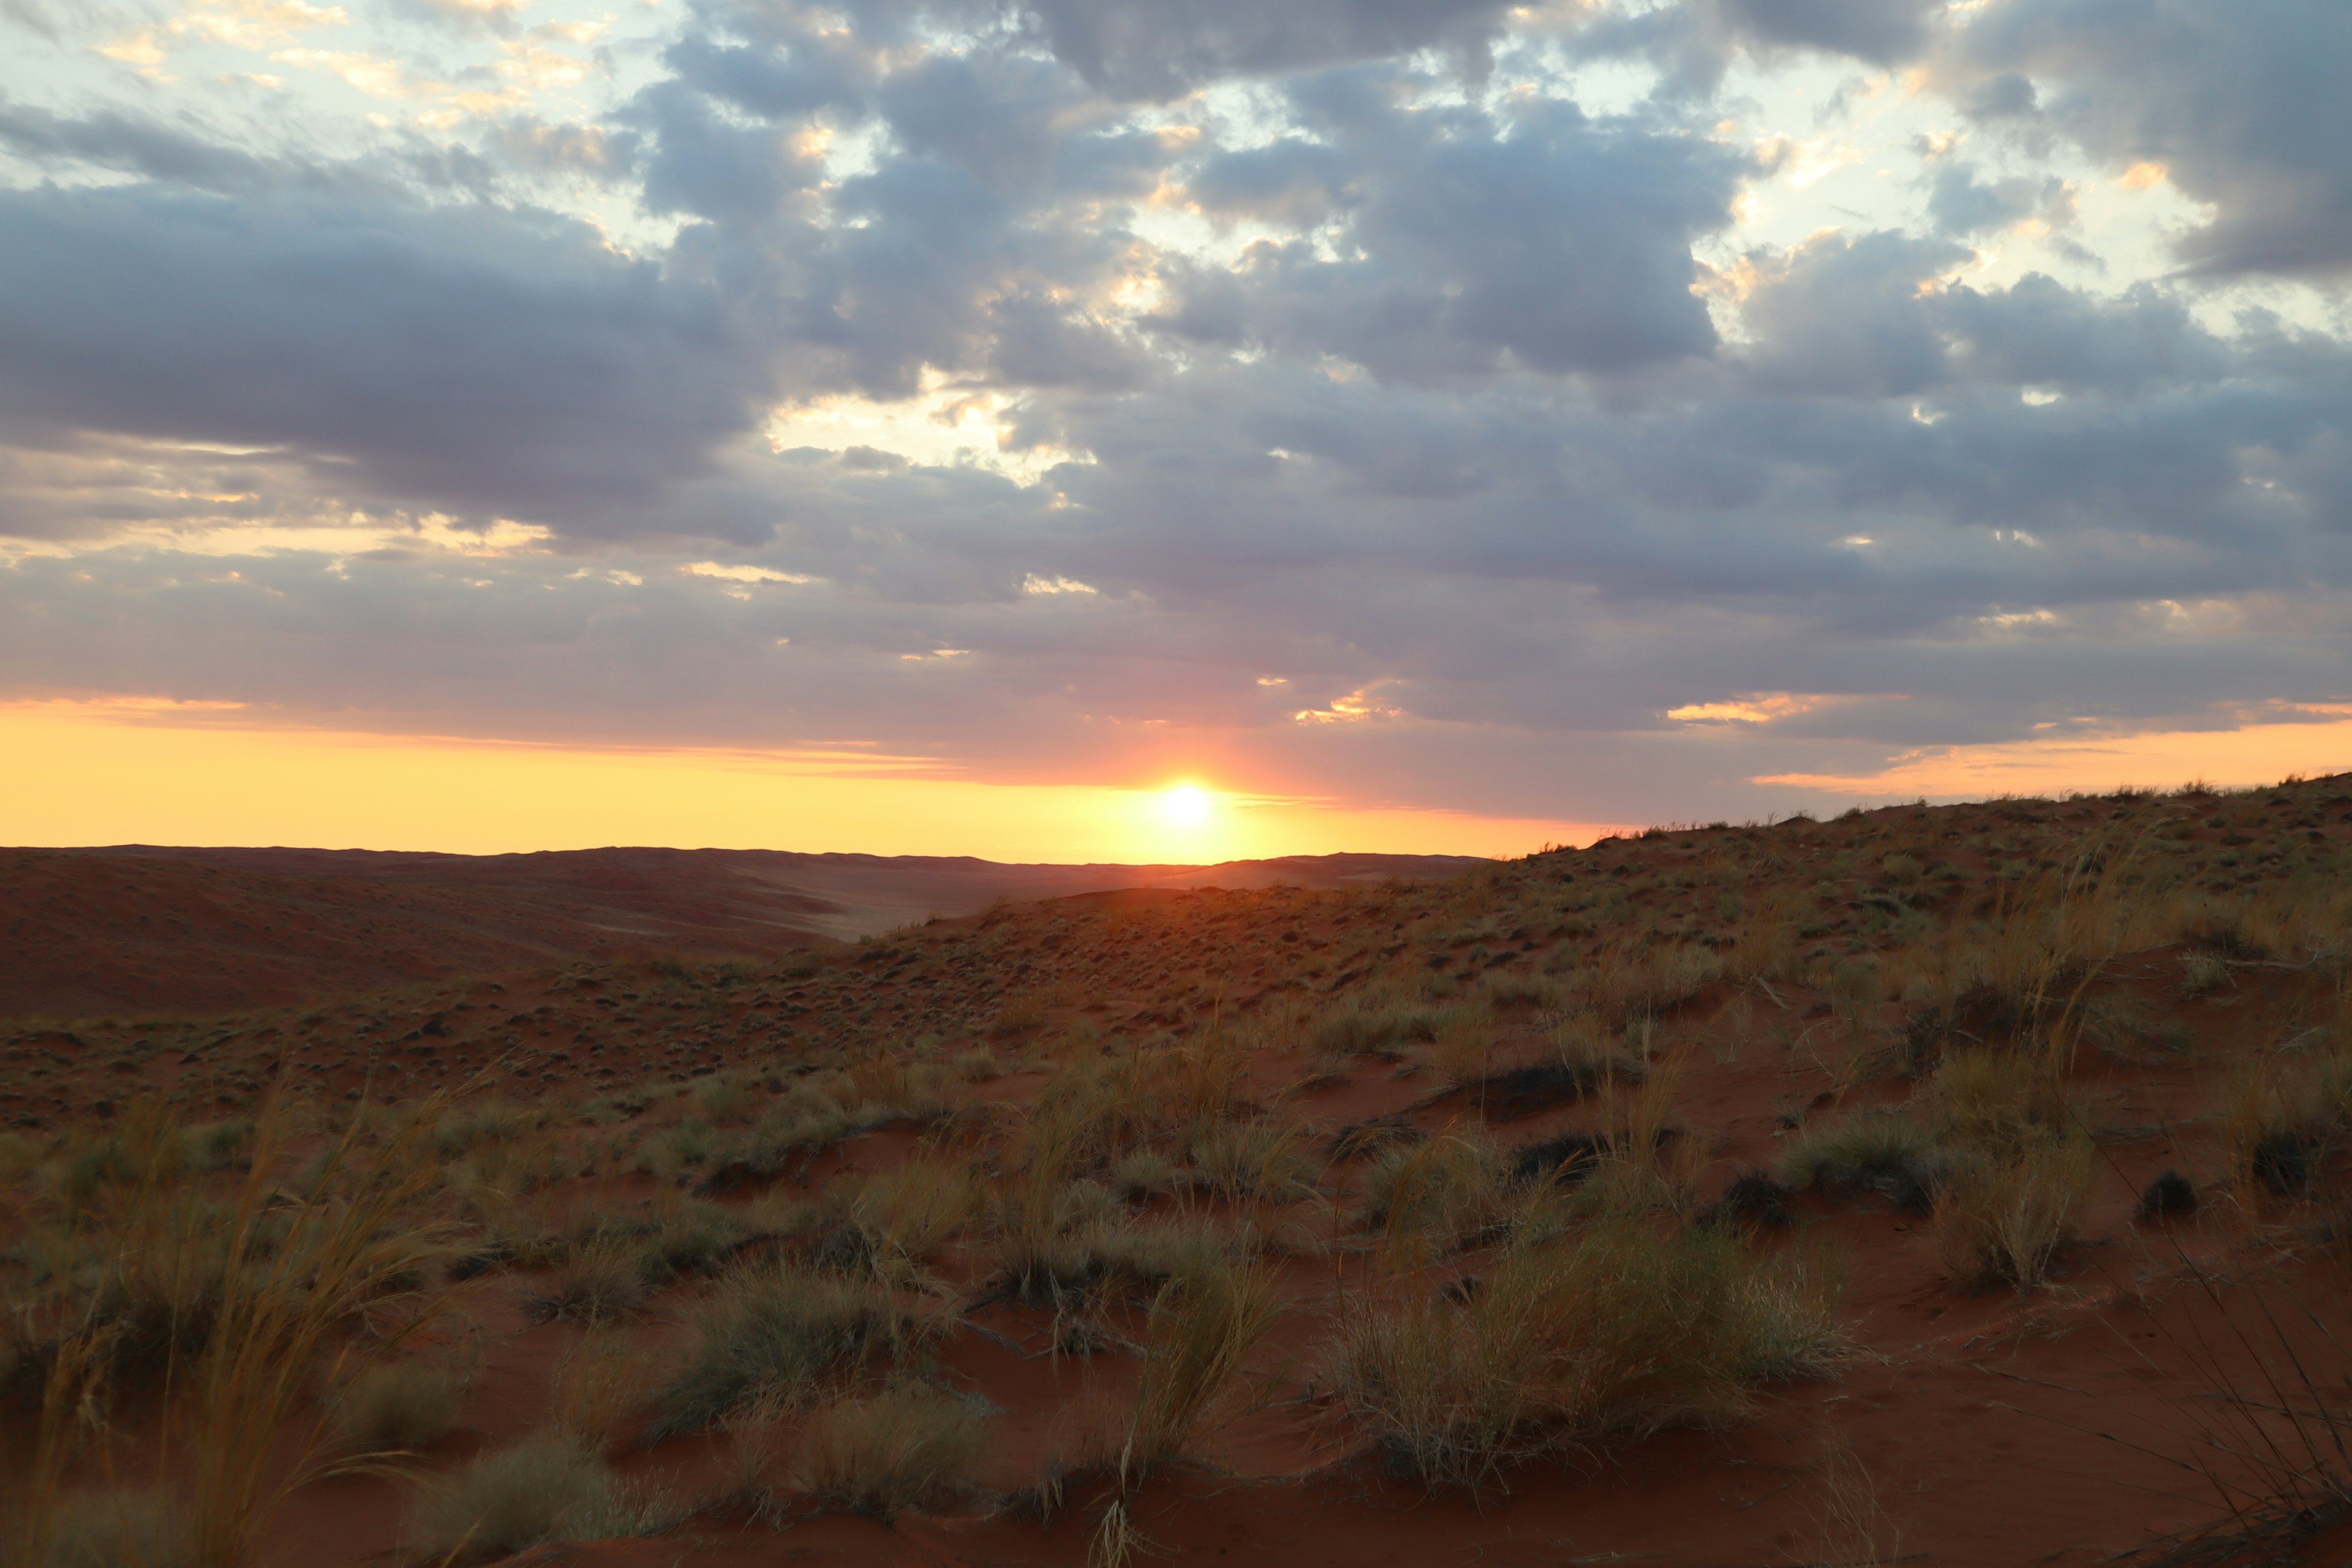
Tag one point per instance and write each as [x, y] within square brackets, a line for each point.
[132, 928]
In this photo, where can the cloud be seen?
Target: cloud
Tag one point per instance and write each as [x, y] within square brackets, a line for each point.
[484, 362]
[1020, 388]
[2242, 103]
[1474, 243]
[1160, 48]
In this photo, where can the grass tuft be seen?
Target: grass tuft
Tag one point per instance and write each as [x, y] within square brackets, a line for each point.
[910, 1446]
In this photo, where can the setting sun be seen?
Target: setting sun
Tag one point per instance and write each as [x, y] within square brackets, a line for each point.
[1187, 806]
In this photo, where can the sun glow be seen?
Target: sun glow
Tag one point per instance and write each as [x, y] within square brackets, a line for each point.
[1187, 806]
[132, 769]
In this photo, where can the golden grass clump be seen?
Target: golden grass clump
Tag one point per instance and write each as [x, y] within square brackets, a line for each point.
[398, 1406]
[1623, 1328]
[907, 1447]
[2003, 1217]
[779, 1333]
[509, 1499]
[1204, 1323]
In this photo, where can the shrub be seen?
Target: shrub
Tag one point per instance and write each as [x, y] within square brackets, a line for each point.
[509, 1499]
[1452, 1186]
[907, 1448]
[1887, 1150]
[724, 1098]
[399, 1404]
[604, 1280]
[1363, 1027]
[1260, 1159]
[1621, 1328]
[778, 1334]
[2202, 973]
[2004, 1220]
[2000, 1100]
[1204, 1323]
[2170, 1197]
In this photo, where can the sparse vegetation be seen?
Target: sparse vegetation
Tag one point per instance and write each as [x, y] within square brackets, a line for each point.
[1544, 1157]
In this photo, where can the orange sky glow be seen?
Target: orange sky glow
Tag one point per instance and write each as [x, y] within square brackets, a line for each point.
[131, 771]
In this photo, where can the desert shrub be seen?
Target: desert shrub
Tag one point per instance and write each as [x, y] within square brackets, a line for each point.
[779, 1333]
[1652, 979]
[1363, 1026]
[1999, 1099]
[398, 1404]
[1453, 1188]
[1259, 1158]
[1886, 1151]
[1539, 993]
[604, 1280]
[2204, 973]
[1145, 1172]
[1153, 1251]
[724, 1098]
[909, 1446]
[509, 1500]
[694, 1236]
[117, 1527]
[1624, 1328]
[2170, 1195]
[2002, 1218]
[913, 1211]
[2283, 1120]
[1204, 1323]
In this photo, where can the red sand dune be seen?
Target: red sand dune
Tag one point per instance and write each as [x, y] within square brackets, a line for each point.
[134, 928]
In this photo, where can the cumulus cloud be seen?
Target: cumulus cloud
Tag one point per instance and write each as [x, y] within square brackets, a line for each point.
[1359, 383]
[2242, 105]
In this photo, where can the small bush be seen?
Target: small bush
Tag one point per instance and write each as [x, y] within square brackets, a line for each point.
[1367, 1028]
[1621, 1328]
[604, 1280]
[725, 1097]
[780, 1334]
[1885, 1150]
[1452, 1187]
[513, 1498]
[1207, 1319]
[2170, 1195]
[2204, 973]
[1262, 1160]
[907, 1448]
[399, 1404]
[2004, 1220]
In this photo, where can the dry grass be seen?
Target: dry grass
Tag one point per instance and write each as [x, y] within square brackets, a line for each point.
[782, 1335]
[399, 1406]
[910, 1446]
[509, 1500]
[1203, 1325]
[2004, 1218]
[1621, 1328]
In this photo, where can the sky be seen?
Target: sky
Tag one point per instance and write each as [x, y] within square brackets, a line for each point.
[951, 425]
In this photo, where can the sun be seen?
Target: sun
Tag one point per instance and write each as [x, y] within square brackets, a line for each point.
[1186, 805]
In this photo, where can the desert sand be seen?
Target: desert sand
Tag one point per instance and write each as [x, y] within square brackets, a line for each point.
[1958, 1185]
